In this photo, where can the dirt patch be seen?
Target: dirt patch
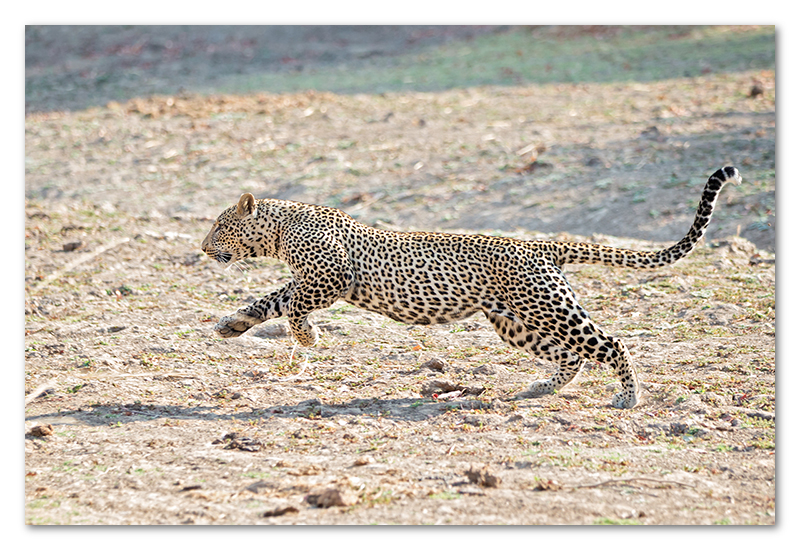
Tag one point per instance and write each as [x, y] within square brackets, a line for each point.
[136, 413]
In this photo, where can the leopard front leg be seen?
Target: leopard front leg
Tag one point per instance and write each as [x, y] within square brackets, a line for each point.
[306, 299]
[318, 283]
[305, 333]
[271, 306]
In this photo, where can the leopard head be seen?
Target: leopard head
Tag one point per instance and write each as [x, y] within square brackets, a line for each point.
[234, 235]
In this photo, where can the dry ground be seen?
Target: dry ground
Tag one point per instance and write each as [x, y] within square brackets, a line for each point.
[139, 414]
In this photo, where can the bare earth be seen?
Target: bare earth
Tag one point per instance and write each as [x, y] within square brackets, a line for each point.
[137, 413]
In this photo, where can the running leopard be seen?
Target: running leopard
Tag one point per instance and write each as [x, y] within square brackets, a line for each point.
[423, 278]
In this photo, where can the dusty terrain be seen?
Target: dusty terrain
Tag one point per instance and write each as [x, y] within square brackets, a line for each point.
[137, 413]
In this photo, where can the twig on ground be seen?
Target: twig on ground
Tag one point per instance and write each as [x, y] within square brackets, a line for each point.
[100, 376]
[39, 389]
[628, 480]
[81, 259]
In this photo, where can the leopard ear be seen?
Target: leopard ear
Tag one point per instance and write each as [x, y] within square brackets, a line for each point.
[246, 206]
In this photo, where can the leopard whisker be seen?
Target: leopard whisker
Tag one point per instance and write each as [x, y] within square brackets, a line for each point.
[242, 266]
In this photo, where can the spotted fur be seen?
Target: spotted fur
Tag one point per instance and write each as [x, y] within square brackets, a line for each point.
[424, 278]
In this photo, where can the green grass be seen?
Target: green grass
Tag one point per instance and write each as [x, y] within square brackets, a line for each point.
[512, 57]
[609, 521]
[445, 495]
[523, 56]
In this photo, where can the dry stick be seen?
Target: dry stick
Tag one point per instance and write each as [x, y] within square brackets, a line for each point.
[38, 391]
[628, 480]
[143, 413]
[52, 383]
[100, 376]
[82, 259]
[55, 275]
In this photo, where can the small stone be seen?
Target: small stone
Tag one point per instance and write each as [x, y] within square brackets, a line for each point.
[482, 419]
[482, 476]
[363, 461]
[269, 331]
[280, 511]
[435, 364]
[546, 485]
[42, 430]
[75, 245]
[257, 486]
[333, 496]
[307, 470]
[439, 387]
[489, 370]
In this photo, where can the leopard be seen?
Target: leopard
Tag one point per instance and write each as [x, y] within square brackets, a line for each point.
[424, 278]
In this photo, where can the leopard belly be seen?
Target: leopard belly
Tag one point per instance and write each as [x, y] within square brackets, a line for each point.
[441, 281]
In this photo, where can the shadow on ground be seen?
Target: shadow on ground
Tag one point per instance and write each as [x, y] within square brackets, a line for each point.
[406, 409]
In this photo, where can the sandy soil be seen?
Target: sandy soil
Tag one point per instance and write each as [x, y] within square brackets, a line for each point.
[137, 413]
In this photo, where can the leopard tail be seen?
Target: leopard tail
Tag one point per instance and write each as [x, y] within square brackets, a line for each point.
[587, 253]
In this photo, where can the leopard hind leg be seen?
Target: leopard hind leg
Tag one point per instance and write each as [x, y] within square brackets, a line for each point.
[569, 365]
[567, 333]
[580, 340]
[513, 332]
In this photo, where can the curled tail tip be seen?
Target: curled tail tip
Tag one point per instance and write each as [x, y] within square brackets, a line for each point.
[728, 174]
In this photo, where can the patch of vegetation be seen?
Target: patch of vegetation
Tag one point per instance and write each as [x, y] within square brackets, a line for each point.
[611, 521]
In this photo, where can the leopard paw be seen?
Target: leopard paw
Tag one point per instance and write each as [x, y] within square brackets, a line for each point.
[540, 387]
[626, 399]
[235, 325]
[307, 337]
